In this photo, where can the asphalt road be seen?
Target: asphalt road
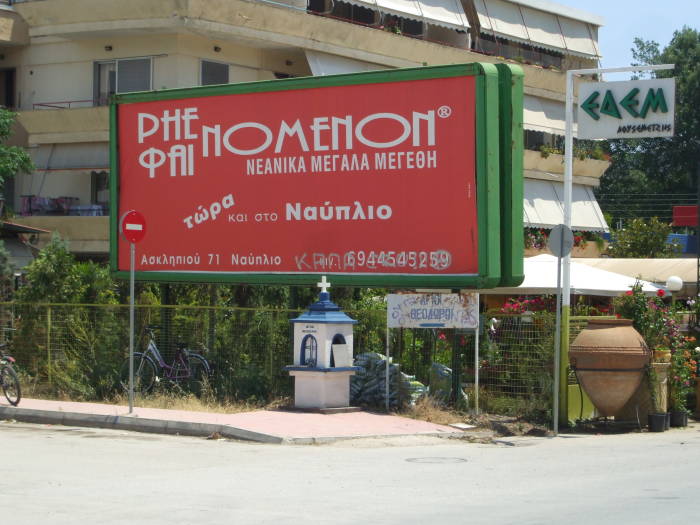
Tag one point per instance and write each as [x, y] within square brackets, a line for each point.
[71, 475]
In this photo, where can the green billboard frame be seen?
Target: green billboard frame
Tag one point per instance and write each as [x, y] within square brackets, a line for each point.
[510, 83]
[497, 233]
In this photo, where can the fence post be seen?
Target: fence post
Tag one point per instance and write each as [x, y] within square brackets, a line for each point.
[48, 344]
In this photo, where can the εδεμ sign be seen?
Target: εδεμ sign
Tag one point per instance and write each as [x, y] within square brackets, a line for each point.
[631, 109]
[363, 176]
[433, 310]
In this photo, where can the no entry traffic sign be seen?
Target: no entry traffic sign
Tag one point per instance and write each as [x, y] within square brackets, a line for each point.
[132, 226]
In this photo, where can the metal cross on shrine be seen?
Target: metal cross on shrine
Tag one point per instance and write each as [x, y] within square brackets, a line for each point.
[324, 284]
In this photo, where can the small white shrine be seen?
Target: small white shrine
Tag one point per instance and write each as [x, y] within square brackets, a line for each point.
[323, 355]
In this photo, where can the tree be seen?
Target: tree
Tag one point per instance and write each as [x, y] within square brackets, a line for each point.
[89, 338]
[13, 159]
[643, 239]
[659, 166]
[6, 273]
[56, 277]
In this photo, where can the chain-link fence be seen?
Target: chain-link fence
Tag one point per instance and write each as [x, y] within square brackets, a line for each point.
[77, 350]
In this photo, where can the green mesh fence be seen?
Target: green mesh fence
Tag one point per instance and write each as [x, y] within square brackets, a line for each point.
[77, 350]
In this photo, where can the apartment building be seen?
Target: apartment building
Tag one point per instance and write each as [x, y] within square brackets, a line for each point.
[60, 60]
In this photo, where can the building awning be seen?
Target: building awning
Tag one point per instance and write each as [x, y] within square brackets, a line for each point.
[541, 114]
[13, 227]
[322, 64]
[653, 270]
[446, 13]
[541, 279]
[539, 28]
[85, 155]
[543, 205]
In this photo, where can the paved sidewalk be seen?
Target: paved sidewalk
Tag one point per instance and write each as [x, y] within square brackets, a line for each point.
[265, 426]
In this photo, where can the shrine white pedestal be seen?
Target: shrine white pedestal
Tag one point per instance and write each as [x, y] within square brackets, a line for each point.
[318, 388]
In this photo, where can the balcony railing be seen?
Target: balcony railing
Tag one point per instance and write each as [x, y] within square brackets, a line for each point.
[65, 104]
[32, 205]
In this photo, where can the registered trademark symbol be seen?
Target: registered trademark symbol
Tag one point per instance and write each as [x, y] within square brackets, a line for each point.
[444, 111]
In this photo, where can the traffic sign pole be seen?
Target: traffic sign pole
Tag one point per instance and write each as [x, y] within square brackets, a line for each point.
[132, 227]
[561, 241]
[132, 264]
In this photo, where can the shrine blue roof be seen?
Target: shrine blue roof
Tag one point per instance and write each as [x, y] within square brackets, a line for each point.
[324, 311]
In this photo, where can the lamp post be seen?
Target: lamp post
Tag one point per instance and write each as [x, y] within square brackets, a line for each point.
[674, 284]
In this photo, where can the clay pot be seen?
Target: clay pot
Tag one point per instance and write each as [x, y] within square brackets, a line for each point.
[679, 418]
[609, 357]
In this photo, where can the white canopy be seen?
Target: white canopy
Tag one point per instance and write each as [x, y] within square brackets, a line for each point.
[543, 206]
[541, 279]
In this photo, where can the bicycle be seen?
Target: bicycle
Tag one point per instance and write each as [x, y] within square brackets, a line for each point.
[9, 378]
[187, 368]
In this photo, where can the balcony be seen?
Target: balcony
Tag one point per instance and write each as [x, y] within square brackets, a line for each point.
[60, 126]
[13, 29]
[587, 171]
[86, 236]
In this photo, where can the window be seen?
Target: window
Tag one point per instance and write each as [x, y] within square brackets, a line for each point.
[121, 76]
[309, 349]
[105, 82]
[213, 73]
[99, 190]
[7, 88]
[133, 74]
[338, 339]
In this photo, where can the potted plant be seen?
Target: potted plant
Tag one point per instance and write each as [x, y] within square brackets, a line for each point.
[657, 418]
[658, 324]
[682, 373]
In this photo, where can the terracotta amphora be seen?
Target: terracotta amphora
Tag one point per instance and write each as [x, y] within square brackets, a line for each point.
[609, 357]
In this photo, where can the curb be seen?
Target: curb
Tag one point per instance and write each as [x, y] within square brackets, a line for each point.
[184, 428]
[332, 439]
[137, 424]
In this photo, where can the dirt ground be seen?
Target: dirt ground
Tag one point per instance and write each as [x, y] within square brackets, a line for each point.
[508, 426]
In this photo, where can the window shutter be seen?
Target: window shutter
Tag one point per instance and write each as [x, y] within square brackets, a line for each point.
[214, 73]
[133, 75]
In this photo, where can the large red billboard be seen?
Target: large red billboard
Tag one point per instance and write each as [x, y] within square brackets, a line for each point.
[353, 179]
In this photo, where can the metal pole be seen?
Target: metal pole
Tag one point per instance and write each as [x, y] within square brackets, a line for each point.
[476, 365]
[557, 348]
[561, 371]
[386, 378]
[568, 186]
[697, 249]
[455, 370]
[132, 263]
[48, 345]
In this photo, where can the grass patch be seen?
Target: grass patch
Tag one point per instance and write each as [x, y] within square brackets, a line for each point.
[170, 397]
[429, 409]
[192, 403]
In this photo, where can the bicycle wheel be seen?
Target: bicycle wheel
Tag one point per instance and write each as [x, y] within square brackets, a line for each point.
[10, 384]
[144, 373]
[199, 372]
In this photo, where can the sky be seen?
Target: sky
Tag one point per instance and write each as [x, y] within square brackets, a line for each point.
[627, 19]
